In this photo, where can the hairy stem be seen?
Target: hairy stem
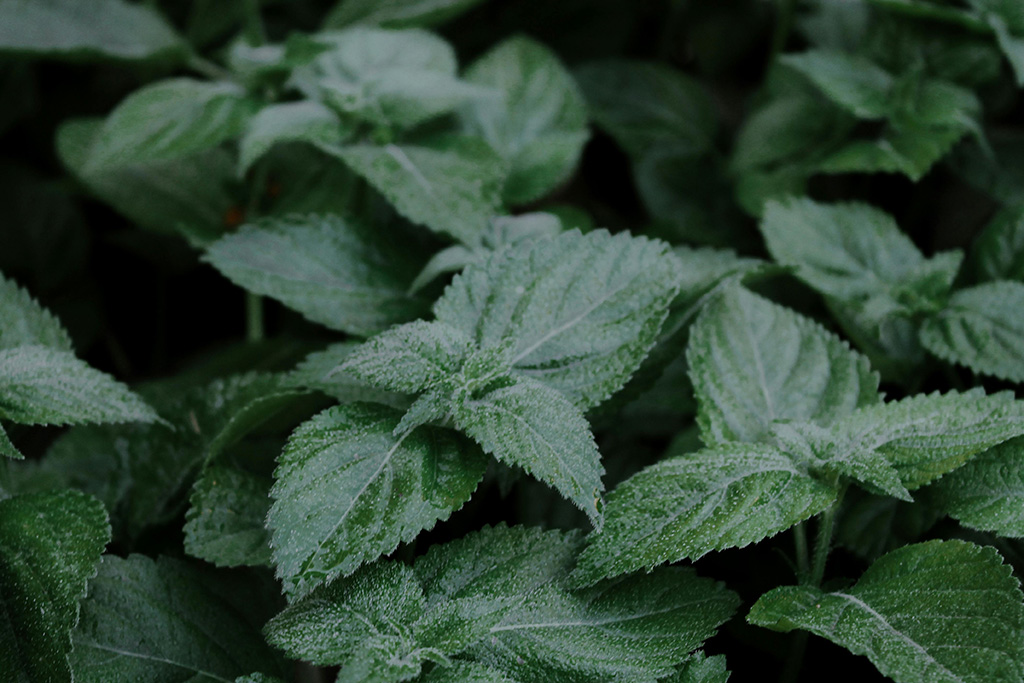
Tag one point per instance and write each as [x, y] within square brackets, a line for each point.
[253, 317]
[802, 558]
[824, 541]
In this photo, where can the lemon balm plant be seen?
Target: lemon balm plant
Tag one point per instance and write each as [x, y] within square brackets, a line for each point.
[570, 355]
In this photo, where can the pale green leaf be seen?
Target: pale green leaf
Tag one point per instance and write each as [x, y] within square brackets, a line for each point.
[87, 29]
[50, 544]
[700, 668]
[911, 150]
[348, 490]
[303, 121]
[169, 120]
[464, 672]
[998, 252]
[333, 270]
[581, 311]
[854, 83]
[40, 385]
[854, 252]
[637, 627]
[7, 448]
[189, 195]
[396, 13]
[687, 506]
[988, 492]
[529, 424]
[926, 436]
[646, 106]
[319, 371]
[409, 358]
[385, 77]
[539, 121]
[258, 678]
[753, 362]
[27, 323]
[945, 611]
[166, 620]
[451, 184]
[981, 328]
[225, 521]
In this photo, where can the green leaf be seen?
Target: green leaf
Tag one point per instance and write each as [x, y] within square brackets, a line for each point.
[926, 436]
[998, 252]
[871, 525]
[1006, 19]
[856, 253]
[396, 13]
[333, 270]
[258, 678]
[632, 628]
[409, 358]
[699, 668]
[50, 544]
[581, 311]
[319, 371]
[303, 121]
[25, 322]
[854, 83]
[530, 424]
[224, 524]
[539, 122]
[348, 490]
[988, 492]
[190, 194]
[166, 620]
[169, 120]
[753, 362]
[450, 184]
[687, 506]
[935, 611]
[464, 672]
[87, 29]
[384, 77]
[982, 329]
[7, 448]
[911, 150]
[40, 385]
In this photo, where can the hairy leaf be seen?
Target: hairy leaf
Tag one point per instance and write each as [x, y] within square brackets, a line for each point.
[465, 672]
[451, 184]
[25, 322]
[1006, 19]
[333, 270]
[40, 385]
[86, 29]
[632, 628]
[348, 490]
[935, 611]
[753, 362]
[396, 13]
[988, 492]
[998, 252]
[303, 121]
[169, 120]
[165, 620]
[319, 371]
[538, 124]
[224, 524]
[529, 424]
[687, 506]
[580, 310]
[852, 82]
[982, 329]
[50, 544]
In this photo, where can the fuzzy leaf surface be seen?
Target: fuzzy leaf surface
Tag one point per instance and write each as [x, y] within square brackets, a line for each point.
[165, 620]
[539, 121]
[529, 424]
[169, 120]
[988, 492]
[753, 362]
[982, 329]
[41, 385]
[26, 323]
[450, 184]
[319, 371]
[86, 29]
[348, 490]
[225, 522]
[685, 507]
[936, 611]
[632, 628]
[409, 358]
[333, 270]
[581, 311]
[303, 121]
[50, 544]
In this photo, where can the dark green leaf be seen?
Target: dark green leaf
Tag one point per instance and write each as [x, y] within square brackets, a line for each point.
[396, 13]
[27, 323]
[225, 523]
[998, 252]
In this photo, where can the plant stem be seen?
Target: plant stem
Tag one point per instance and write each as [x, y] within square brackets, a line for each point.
[253, 317]
[254, 31]
[205, 67]
[785, 11]
[802, 558]
[795, 658]
[824, 541]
